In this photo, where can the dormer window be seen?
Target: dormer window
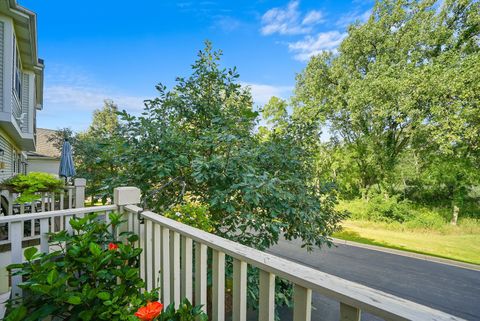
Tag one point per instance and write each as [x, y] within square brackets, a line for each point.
[17, 71]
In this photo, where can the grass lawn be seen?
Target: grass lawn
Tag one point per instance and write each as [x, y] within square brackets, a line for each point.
[457, 243]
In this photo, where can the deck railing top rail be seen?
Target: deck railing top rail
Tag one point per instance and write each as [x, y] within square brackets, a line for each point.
[57, 213]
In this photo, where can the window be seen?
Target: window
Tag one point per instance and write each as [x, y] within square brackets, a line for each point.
[19, 163]
[18, 166]
[17, 71]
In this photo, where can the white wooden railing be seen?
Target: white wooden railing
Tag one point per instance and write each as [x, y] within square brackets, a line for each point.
[71, 196]
[47, 223]
[16, 109]
[171, 248]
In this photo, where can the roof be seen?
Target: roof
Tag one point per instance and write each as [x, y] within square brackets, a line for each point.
[45, 148]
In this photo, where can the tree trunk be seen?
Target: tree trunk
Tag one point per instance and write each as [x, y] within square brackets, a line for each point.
[455, 215]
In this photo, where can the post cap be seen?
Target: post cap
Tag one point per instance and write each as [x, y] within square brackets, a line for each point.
[126, 195]
[80, 182]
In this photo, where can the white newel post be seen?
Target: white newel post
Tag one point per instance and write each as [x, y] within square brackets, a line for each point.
[16, 235]
[80, 184]
[126, 196]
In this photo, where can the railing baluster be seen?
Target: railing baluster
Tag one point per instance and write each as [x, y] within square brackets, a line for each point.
[239, 312]
[166, 265]
[16, 236]
[43, 202]
[70, 198]
[44, 235]
[302, 303]
[266, 310]
[157, 252]
[141, 235]
[187, 268]
[201, 275]
[136, 228]
[62, 199]
[218, 290]
[175, 268]
[148, 253]
[130, 222]
[32, 228]
[349, 313]
[68, 227]
[107, 221]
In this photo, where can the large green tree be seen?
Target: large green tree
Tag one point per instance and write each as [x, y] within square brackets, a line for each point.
[199, 138]
[412, 68]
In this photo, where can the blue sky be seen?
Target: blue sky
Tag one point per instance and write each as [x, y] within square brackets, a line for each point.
[119, 50]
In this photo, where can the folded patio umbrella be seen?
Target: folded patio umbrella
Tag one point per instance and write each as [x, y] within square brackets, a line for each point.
[67, 168]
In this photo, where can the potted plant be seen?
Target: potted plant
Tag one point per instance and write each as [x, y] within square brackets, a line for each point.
[29, 185]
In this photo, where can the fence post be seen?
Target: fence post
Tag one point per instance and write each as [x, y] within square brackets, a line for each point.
[125, 196]
[80, 184]
[16, 235]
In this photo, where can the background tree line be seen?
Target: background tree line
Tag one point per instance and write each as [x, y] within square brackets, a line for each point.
[400, 101]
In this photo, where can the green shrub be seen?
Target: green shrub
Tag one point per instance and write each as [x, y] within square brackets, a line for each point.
[30, 184]
[469, 225]
[426, 219]
[192, 213]
[185, 312]
[405, 215]
[92, 276]
[389, 209]
[356, 209]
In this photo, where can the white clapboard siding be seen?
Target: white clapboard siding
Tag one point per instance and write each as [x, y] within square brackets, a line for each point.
[2, 53]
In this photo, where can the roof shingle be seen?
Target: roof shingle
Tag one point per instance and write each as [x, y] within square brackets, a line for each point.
[44, 147]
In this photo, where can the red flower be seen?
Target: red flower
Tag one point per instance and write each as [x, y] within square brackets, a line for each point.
[150, 311]
[112, 246]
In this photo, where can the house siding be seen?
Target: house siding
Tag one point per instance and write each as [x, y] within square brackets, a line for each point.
[7, 158]
[2, 49]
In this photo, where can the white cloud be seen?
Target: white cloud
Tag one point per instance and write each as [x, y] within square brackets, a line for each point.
[288, 20]
[71, 94]
[354, 16]
[72, 87]
[314, 45]
[313, 17]
[262, 93]
[226, 23]
[88, 99]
